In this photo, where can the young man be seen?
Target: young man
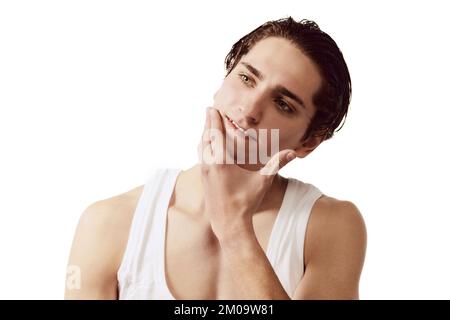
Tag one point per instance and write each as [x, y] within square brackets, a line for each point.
[238, 230]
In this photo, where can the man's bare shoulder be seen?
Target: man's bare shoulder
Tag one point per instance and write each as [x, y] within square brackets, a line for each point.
[335, 225]
[113, 214]
[334, 251]
[99, 243]
[110, 220]
[120, 202]
[326, 208]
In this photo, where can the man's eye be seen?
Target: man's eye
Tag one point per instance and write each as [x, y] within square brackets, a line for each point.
[284, 106]
[244, 78]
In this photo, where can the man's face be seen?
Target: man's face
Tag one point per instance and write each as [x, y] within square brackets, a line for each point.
[271, 87]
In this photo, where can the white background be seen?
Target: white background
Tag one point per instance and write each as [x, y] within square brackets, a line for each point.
[94, 94]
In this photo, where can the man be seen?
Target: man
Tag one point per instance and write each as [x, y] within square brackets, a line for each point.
[238, 230]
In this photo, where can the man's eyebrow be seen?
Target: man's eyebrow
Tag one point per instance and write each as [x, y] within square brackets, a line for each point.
[285, 92]
[253, 70]
[279, 89]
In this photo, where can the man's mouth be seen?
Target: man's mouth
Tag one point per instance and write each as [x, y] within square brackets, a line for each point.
[244, 132]
[235, 125]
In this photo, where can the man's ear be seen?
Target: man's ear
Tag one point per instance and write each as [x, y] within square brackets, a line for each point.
[308, 146]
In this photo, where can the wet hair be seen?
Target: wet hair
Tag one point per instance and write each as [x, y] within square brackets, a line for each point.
[332, 99]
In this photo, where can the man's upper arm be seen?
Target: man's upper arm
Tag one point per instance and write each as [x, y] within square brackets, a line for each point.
[94, 257]
[335, 246]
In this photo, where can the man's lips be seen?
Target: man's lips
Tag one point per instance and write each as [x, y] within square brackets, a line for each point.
[235, 125]
[247, 133]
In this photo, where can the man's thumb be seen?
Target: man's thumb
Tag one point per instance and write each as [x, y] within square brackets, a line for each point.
[278, 161]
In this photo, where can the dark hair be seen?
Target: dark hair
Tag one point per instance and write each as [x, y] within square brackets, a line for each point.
[333, 98]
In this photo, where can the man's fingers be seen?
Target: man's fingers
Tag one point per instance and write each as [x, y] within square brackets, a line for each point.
[204, 151]
[277, 162]
[206, 129]
[217, 136]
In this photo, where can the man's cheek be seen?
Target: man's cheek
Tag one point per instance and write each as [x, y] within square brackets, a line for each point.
[226, 96]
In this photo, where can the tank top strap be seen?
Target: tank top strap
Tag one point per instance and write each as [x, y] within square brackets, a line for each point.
[286, 244]
[141, 251]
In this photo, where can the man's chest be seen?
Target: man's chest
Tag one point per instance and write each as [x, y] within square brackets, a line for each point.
[194, 265]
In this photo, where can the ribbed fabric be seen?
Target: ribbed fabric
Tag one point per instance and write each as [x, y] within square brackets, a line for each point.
[141, 274]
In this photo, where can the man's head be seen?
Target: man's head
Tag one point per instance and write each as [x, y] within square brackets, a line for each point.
[290, 76]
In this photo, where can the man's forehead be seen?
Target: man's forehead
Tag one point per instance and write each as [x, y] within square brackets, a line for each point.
[272, 45]
[277, 56]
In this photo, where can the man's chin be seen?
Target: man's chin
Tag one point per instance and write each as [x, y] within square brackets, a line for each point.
[249, 161]
[250, 167]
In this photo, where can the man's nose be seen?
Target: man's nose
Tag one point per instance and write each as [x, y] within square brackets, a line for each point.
[251, 110]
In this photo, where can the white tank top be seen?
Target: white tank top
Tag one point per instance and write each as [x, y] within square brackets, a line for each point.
[141, 274]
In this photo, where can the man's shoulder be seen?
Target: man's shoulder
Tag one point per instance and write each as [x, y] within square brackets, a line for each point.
[334, 251]
[332, 208]
[105, 224]
[114, 211]
[335, 214]
[99, 243]
[334, 222]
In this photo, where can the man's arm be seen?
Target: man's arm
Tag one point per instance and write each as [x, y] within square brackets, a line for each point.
[335, 247]
[334, 254]
[251, 271]
[96, 252]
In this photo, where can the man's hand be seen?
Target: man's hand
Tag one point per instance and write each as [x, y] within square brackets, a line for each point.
[232, 194]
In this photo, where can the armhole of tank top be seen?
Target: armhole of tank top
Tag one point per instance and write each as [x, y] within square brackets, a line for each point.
[312, 195]
[126, 262]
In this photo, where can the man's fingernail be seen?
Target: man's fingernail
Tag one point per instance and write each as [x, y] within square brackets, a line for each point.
[290, 156]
